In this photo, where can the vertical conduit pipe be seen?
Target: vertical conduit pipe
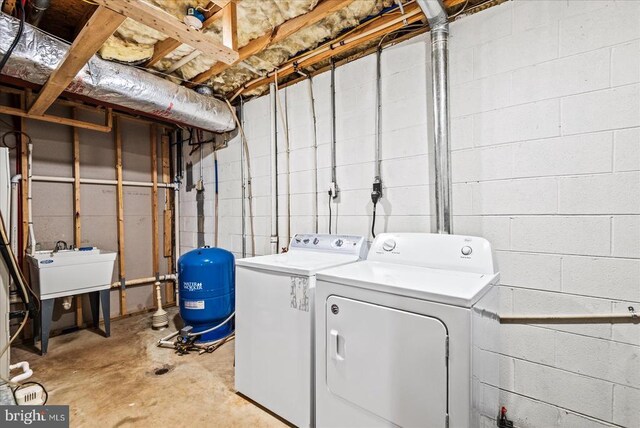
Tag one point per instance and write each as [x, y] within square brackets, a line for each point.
[334, 181]
[438, 21]
[274, 169]
[244, 186]
[315, 152]
[378, 175]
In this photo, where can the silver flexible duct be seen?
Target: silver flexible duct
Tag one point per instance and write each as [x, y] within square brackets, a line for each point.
[438, 22]
[37, 55]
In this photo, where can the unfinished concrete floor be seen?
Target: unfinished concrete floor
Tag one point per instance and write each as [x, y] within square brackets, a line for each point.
[111, 382]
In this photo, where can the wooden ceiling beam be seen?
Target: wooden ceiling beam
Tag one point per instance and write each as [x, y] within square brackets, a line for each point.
[95, 32]
[162, 49]
[168, 45]
[371, 30]
[158, 19]
[284, 30]
[230, 26]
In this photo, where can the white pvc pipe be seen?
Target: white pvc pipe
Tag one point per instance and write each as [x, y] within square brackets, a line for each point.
[52, 179]
[26, 371]
[32, 238]
[66, 302]
[13, 233]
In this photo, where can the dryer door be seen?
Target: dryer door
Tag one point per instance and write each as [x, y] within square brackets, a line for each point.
[387, 362]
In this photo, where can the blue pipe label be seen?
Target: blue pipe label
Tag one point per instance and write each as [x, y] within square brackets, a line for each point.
[194, 304]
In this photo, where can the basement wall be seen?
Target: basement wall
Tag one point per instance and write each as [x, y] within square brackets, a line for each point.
[545, 109]
[53, 202]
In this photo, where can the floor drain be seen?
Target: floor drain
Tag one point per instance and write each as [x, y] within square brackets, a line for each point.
[161, 371]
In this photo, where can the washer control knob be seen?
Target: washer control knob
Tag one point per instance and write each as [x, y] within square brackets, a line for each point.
[466, 250]
[306, 240]
[339, 242]
[316, 241]
[389, 245]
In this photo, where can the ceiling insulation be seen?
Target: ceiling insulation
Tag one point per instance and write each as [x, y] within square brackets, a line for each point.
[133, 42]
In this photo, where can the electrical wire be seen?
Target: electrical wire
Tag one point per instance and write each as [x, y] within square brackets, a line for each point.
[16, 39]
[249, 187]
[16, 134]
[15, 335]
[373, 222]
[464, 7]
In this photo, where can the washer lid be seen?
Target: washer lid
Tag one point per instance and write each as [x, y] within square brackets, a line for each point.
[298, 262]
[435, 285]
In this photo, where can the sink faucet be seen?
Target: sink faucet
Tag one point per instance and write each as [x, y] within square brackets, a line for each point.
[60, 245]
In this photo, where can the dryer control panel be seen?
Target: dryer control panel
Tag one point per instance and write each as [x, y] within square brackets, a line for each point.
[438, 251]
[343, 244]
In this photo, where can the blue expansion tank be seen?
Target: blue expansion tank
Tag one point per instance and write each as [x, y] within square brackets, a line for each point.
[207, 290]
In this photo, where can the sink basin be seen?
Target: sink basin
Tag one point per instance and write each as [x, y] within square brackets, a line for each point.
[69, 272]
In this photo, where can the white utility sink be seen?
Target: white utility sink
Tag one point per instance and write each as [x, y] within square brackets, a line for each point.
[69, 272]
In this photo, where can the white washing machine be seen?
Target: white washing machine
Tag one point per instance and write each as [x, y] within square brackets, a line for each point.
[275, 322]
[396, 334]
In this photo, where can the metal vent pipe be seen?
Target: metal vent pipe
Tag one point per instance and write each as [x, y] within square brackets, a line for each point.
[38, 54]
[439, 24]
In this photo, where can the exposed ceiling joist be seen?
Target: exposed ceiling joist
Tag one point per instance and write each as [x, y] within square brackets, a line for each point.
[162, 49]
[287, 28]
[168, 45]
[222, 3]
[371, 30]
[230, 26]
[95, 32]
[156, 18]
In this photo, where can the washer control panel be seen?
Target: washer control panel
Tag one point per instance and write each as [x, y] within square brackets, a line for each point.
[439, 251]
[344, 244]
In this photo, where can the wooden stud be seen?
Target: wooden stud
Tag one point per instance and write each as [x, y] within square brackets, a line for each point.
[222, 3]
[169, 289]
[77, 226]
[230, 26]
[154, 199]
[166, 165]
[55, 119]
[168, 45]
[160, 20]
[96, 31]
[24, 168]
[287, 28]
[120, 197]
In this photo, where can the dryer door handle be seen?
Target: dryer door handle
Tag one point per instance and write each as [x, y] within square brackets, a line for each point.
[336, 345]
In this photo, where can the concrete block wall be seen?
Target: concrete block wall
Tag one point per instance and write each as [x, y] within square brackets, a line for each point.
[545, 104]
